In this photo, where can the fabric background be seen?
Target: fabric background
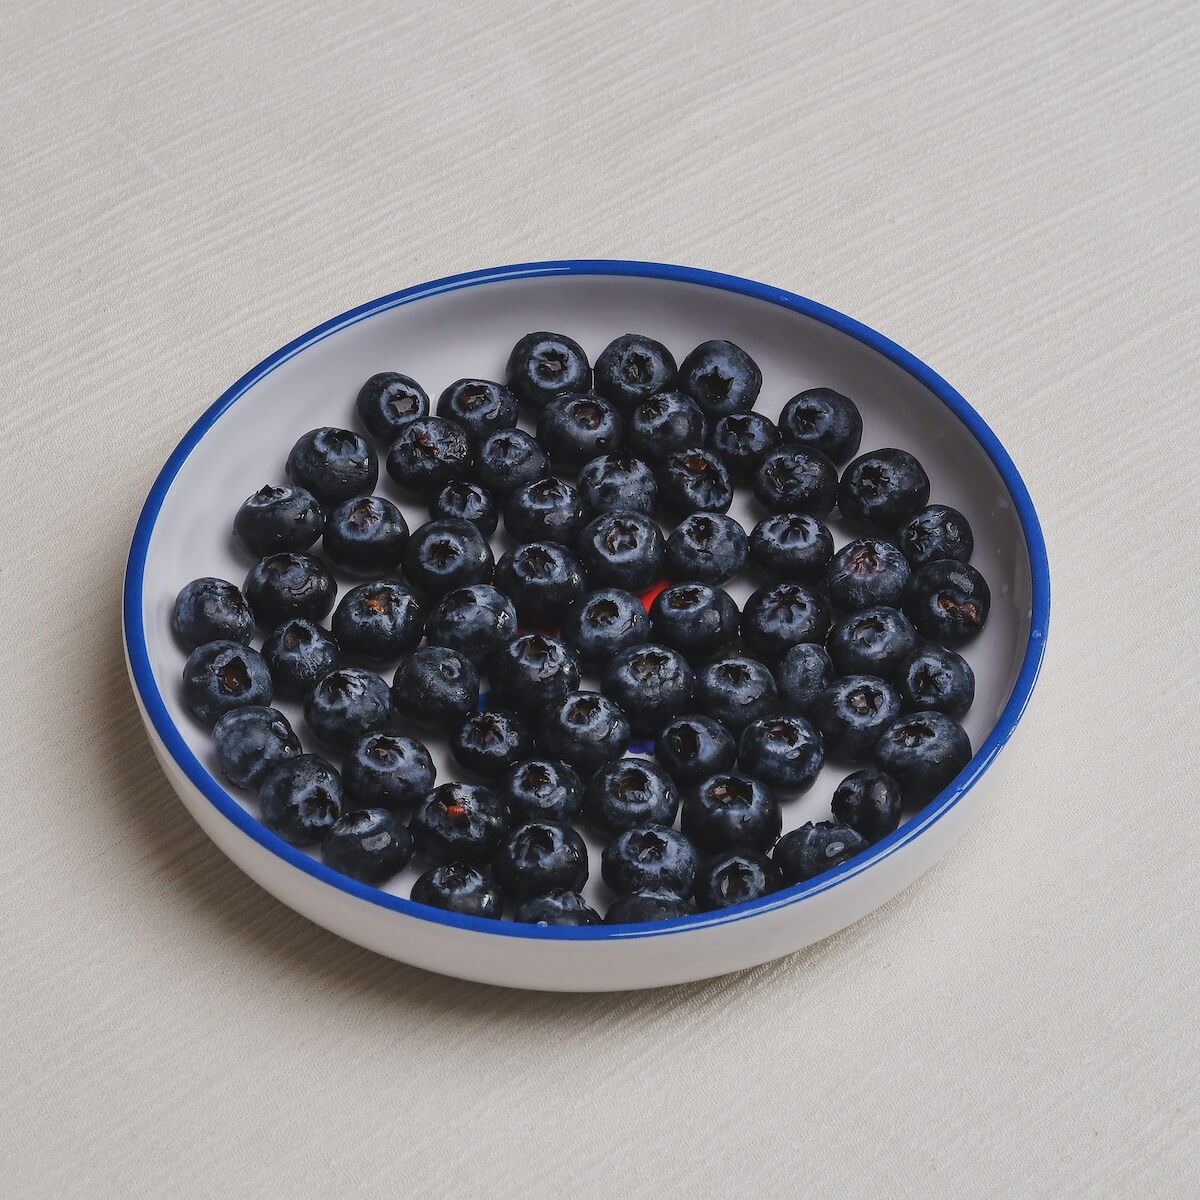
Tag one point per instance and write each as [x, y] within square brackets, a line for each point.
[1009, 191]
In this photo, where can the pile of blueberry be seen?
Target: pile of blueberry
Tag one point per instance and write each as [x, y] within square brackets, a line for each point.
[842, 653]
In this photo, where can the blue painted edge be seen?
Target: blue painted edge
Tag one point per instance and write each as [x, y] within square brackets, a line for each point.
[178, 749]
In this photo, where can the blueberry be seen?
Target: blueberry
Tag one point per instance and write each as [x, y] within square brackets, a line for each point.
[464, 501]
[923, 752]
[617, 481]
[458, 888]
[695, 480]
[540, 789]
[653, 857]
[731, 810]
[694, 747]
[883, 488]
[540, 857]
[791, 546]
[475, 620]
[710, 547]
[869, 802]
[346, 704]
[632, 368]
[628, 793]
[948, 601]
[548, 510]
[664, 424]
[211, 610]
[387, 770]
[427, 454]
[804, 672]
[651, 684]
[510, 459]
[872, 641]
[585, 730]
[931, 678]
[622, 549]
[221, 676]
[458, 823]
[278, 518]
[436, 687]
[544, 365]
[556, 908]
[298, 653]
[736, 691]
[695, 619]
[735, 878]
[542, 580]
[300, 799]
[638, 908]
[851, 713]
[867, 573]
[489, 743]
[743, 440]
[531, 671]
[937, 531]
[809, 851]
[796, 479]
[387, 402]
[446, 554]
[783, 752]
[721, 377]
[480, 406]
[378, 622]
[369, 844]
[573, 429]
[824, 420]
[777, 618]
[365, 536]
[603, 624]
[284, 586]
[250, 741]
[333, 464]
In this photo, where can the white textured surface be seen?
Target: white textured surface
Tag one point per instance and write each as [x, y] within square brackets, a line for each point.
[1008, 191]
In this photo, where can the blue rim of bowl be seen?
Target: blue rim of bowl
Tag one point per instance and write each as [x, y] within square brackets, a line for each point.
[164, 726]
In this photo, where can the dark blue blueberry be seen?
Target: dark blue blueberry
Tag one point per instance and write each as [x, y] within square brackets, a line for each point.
[710, 547]
[796, 479]
[603, 624]
[585, 730]
[721, 377]
[531, 671]
[250, 741]
[695, 480]
[638, 908]
[791, 546]
[480, 406]
[458, 888]
[436, 688]
[556, 908]
[369, 844]
[632, 368]
[333, 464]
[664, 424]
[365, 536]
[629, 793]
[300, 799]
[735, 878]
[489, 743]
[869, 802]
[548, 510]
[542, 580]
[695, 619]
[743, 440]
[464, 501]
[278, 518]
[923, 752]
[651, 683]
[736, 691]
[883, 488]
[804, 672]
[937, 531]
[446, 554]
[544, 365]
[387, 402]
[731, 811]
[617, 481]
[221, 676]
[932, 678]
[540, 857]
[345, 705]
[284, 586]
[824, 420]
[475, 620]
[298, 653]
[809, 851]
[573, 429]
[777, 618]
[865, 574]
[510, 459]
[652, 856]
[622, 549]
[783, 752]
[378, 622]
[694, 747]
[872, 641]
[948, 601]
[458, 823]
[851, 713]
[540, 789]
[427, 454]
[387, 770]
[211, 610]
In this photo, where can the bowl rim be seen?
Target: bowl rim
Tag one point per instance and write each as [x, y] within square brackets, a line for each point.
[155, 709]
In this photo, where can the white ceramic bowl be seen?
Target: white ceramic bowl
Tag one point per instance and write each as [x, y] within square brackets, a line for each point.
[465, 326]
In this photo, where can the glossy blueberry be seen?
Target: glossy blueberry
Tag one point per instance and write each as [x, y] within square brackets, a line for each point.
[948, 601]
[651, 684]
[510, 459]
[617, 481]
[278, 518]
[461, 500]
[345, 705]
[743, 440]
[475, 620]
[333, 464]
[804, 672]
[603, 624]
[851, 713]
[221, 676]
[735, 878]
[387, 402]
[664, 424]
[541, 789]
[777, 618]
[543, 365]
[300, 798]
[628, 793]
[796, 479]
[298, 653]
[427, 454]
[540, 857]
[883, 488]
[480, 406]
[211, 610]
[824, 420]
[695, 619]
[488, 743]
[622, 549]
[556, 908]
[933, 678]
[436, 688]
[446, 554]
[872, 641]
[650, 857]
[809, 851]
[542, 579]
[731, 810]
[458, 823]
[869, 802]
[458, 888]
[709, 547]
[573, 429]
[378, 622]
[721, 377]
[387, 770]
[867, 573]
[791, 546]
[923, 752]
[736, 691]
[585, 730]
[548, 510]
[250, 741]
[368, 844]
[694, 480]
[365, 536]
[531, 671]
[638, 908]
[937, 531]
[284, 586]
[691, 748]
[783, 752]
[632, 368]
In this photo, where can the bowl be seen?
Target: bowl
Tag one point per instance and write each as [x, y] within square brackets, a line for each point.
[465, 325]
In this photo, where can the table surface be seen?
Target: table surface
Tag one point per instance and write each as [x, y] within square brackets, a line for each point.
[1007, 190]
